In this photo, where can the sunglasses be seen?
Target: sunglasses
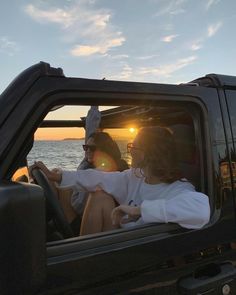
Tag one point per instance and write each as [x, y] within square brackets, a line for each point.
[87, 147]
[131, 146]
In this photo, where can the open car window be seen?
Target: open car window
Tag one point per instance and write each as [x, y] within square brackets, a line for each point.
[56, 133]
[59, 143]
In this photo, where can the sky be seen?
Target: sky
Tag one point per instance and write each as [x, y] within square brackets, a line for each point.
[160, 41]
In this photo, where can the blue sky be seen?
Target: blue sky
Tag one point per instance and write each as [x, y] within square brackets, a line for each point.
[162, 41]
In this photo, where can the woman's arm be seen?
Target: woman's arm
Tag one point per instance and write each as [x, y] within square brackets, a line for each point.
[92, 121]
[53, 175]
[114, 183]
[189, 209]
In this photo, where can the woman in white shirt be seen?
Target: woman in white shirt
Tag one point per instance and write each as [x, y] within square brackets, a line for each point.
[151, 191]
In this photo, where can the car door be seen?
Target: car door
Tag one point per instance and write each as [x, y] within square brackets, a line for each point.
[123, 260]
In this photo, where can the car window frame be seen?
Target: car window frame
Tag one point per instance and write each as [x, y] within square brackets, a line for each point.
[88, 98]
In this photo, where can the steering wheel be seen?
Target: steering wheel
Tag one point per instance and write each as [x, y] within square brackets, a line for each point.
[53, 208]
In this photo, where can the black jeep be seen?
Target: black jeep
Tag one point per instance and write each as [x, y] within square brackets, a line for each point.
[40, 253]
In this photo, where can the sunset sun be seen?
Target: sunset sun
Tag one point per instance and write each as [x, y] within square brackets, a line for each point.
[132, 130]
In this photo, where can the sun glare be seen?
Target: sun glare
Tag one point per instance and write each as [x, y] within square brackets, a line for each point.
[132, 130]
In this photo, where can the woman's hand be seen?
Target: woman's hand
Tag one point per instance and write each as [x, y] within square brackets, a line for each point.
[53, 175]
[125, 214]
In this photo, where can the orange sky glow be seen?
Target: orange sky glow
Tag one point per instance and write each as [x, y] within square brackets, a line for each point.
[75, 113]
[58, 133]
[62, 133]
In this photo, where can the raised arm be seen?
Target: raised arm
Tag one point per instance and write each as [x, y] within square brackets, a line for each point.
[92, 122]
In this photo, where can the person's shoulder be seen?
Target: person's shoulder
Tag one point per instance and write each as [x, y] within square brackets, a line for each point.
[184, 188]
[183, 184]
[85, 165]
[135, 174]
[123, 165]
[128, 171]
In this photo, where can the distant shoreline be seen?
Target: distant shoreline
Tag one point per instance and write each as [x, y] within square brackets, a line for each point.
[64, 139]
[81, 138]
[72, 138]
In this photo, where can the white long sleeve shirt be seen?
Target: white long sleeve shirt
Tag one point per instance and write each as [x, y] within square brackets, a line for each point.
[177, 202]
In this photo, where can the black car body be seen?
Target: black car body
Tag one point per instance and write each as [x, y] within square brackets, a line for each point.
[150, 259]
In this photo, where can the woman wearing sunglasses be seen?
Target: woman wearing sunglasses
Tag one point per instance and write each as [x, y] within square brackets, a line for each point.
[151, 191]
[101, 153]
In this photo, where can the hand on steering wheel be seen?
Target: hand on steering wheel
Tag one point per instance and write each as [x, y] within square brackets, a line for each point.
[53, 175]
[53, 207]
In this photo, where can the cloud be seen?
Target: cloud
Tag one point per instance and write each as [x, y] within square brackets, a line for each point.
[213, 29]
[162, 73]
[86, 50]
[169, 38]
[177, 11]
[146, 57]
[56, 15]
[196, 45]
[78, 16]
[174, 7]
[168, 69]
[119, 56]
[7, 46]
[210, 3]
[126, 73]
[80, 21]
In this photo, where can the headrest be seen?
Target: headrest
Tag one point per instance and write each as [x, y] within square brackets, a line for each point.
[186, 152]
[185, 142]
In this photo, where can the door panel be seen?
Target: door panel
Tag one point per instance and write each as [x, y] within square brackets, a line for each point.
[22, 230]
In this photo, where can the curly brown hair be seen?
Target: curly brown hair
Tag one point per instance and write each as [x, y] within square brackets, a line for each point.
[160, 153]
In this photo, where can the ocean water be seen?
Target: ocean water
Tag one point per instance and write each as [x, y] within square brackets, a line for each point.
[66, 154]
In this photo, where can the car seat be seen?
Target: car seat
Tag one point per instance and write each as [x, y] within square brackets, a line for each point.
[187, 152]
